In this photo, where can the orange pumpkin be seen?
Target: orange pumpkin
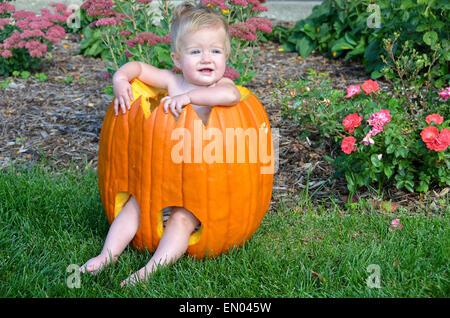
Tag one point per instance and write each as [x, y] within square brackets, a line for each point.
[163, 162]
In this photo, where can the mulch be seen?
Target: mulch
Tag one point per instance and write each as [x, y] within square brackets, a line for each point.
[60, 121]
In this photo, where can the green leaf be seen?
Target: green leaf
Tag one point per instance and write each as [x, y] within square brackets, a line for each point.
[430, 38]
[375, 161]
[422, 27]
[359, 50]
[388, 171]
[390, 148]
[328, 158]
[340, 45]
[304, 46]
[109, 90]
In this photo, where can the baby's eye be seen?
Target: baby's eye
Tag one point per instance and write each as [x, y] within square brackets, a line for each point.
[195, 51]
[216, 51]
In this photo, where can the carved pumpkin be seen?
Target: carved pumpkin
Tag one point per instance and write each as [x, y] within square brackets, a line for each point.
[211, 171]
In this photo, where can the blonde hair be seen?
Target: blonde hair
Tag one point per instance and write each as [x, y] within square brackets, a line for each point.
[188, 17]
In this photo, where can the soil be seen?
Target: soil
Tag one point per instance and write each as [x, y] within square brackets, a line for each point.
[59, 121]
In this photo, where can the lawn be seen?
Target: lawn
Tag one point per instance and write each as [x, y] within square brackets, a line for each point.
[51, 219]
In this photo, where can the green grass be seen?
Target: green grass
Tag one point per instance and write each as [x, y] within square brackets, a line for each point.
[51, 219]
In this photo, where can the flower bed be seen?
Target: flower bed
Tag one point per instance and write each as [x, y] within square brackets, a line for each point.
[381, 142]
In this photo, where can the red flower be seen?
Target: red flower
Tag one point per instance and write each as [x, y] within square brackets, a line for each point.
[429, 134]
[351, 122]
[348, 145]
[438, 119]
[441, 142]
[370, 86]
[437, 145]
[444, 136]
[434, 140]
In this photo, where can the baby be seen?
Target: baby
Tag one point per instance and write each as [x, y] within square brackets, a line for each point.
[200, 48]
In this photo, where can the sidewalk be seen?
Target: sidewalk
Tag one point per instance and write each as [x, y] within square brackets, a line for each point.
[283, 10]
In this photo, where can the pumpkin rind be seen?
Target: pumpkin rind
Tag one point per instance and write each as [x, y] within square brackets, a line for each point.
[229, 199]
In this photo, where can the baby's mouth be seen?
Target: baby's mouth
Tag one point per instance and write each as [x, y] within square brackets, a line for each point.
[206, 70]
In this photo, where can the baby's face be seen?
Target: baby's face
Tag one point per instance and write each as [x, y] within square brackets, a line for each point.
[202, 57]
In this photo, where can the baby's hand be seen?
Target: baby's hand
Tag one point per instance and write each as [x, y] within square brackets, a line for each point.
[175, 104]
[122, 95]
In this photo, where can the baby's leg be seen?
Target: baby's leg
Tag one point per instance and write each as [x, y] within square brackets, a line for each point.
[172, 246]
[120, 234]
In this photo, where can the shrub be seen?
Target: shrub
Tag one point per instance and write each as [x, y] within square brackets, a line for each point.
[26, 38]
[344, 28]
[129, 31]
[380, 143]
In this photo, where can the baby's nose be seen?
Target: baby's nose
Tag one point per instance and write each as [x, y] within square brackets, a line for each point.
[206, 56]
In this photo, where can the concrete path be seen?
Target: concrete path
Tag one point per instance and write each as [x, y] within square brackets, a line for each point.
[283, 10]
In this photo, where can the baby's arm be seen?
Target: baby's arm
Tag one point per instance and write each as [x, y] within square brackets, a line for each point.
[148, 74]
[224, 93]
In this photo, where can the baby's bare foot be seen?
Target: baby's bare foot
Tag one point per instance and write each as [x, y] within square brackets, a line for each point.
[94, 265]
[141, 276]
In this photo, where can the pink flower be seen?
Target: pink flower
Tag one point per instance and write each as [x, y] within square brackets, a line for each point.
[128, 54]
[239, 2]
[14, 41]
[216, 3]
[370, 86]
[348, 144]
[378, 120]
[351, 122]
[167, 38]
[103, 22]
[261, 24]
[59, 7]
[23, 14]
[5, 53]
[36, 48]
[367, 139]
[352, 90]
[436, 118]
[243, 30]
[98, 8]
[396, 223]
[445, 93]
[6, 7]
[125, 33]
[55, 33]
[144, 38]
[230, 73]
[3, 22]
[31, 33]
[380, 156]
[259, 8]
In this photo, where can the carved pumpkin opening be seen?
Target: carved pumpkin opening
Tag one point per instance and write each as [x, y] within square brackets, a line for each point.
[164, 215]
[122, 199]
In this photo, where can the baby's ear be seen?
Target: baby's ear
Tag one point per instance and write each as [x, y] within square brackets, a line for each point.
[175, 59]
